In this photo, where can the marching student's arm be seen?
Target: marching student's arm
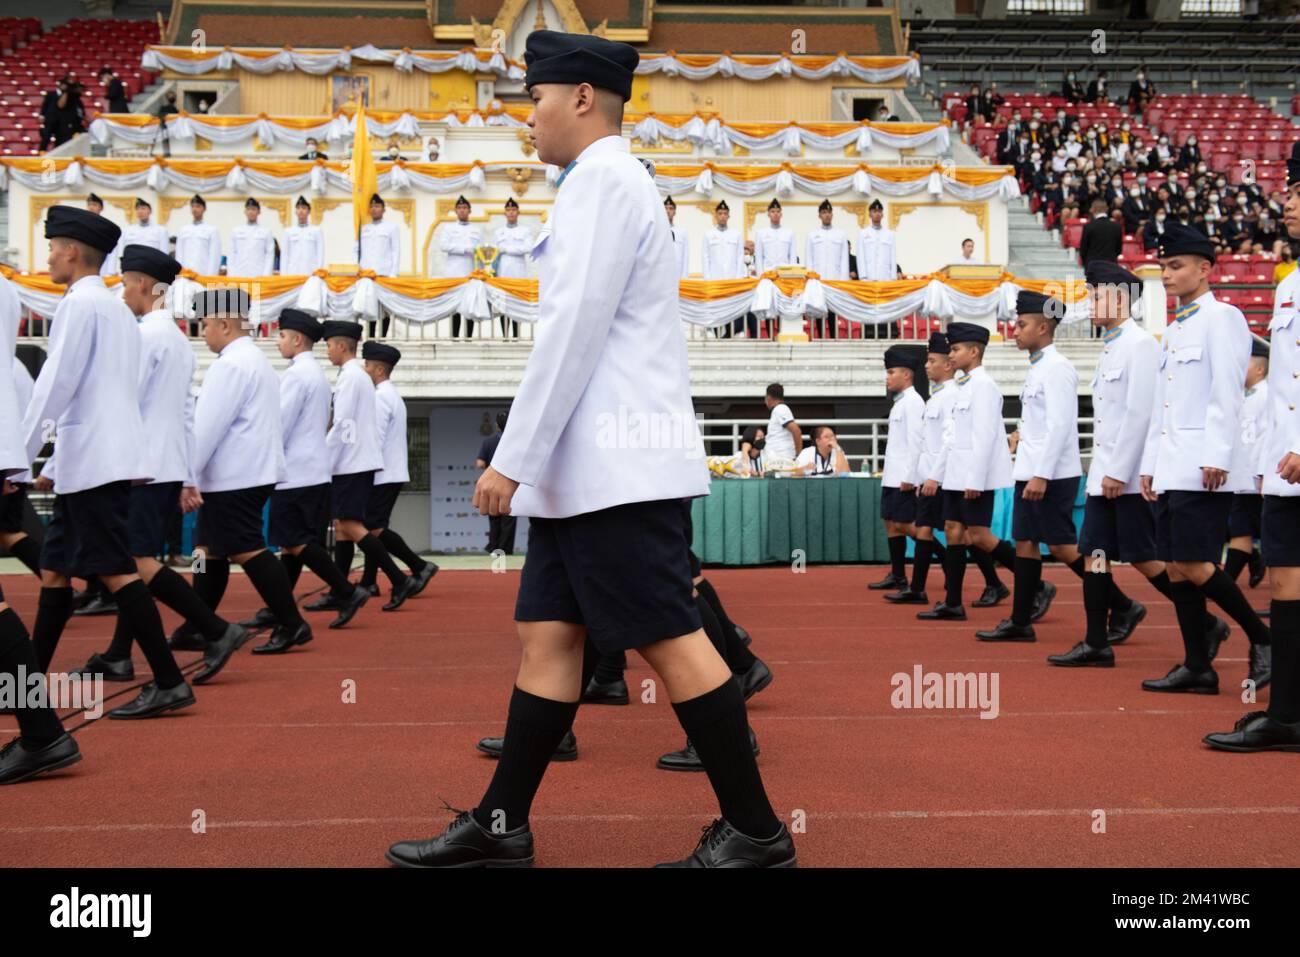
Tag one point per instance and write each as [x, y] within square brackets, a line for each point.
[914, 423]
[1143, 374]
[1151, 448]
[1062, 399]
[268, 260]
[986, 429]
[218, 404]
[395, 253]
[1228, 355]
[343, 422]
[60, 375]
[214, 254]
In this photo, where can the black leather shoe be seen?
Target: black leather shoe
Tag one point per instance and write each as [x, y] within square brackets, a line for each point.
[1261, 665]
[1257, 732]
[1083, 655]
[405, 590]
[615, 692]
[424, 576]
[282, 639]
[187, 638]
[1123, 623]
[723, 846]
[687, 759]
[908, 597]
[466, 843]
[110, 669]
[1257, 569]
[743, 635]
[19, 763]
[372, 590]
[1216, 634]
[326, 602]
[98, 605]
[351, 606]
[265, 618]
[567, 750]
[1042, 601]
[890, 582]
[758, 677]
[1008, 630]
[218, 652]
[992, 595]
[153, 701]
[1181, 678]
[942, 612]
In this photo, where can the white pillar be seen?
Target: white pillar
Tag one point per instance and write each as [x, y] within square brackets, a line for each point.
[1155, 313]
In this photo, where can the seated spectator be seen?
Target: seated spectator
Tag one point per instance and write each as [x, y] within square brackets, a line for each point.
[749, 457]
[1140, 92]
[1154, 230]
[313, 151]
[431, 150]
[1266, 232]
[1190, 155]
[824, 456]
[394, 150]
[1097, 89]
[990, 101]
[1286, 264]
[1071, 88]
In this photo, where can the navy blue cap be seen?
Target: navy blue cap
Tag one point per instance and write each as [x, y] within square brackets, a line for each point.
[1029, 303]
[938, 343]
[150, 261]
[69, 222]
[299, 321]
[380, 352]
[1180, 240]
[228, 302]
[905, 357]
[1258, 347]
[340, 327]
[967, 332]
[1102, 272]
[554, 57]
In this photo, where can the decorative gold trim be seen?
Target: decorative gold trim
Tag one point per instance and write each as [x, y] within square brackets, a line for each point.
[169, 204]
[322, 205]
[278, 204]
[125, 203]
[525, 137]
[519, 177]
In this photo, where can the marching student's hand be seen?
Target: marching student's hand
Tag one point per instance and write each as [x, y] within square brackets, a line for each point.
[973, 493]
[1035, 489]
[1213, 479]
[1289, 468]
[43, 483]
[1111, 488]
[906, 487]
[1147, 492]
[9, 488]
[493, 492]
[930, 488]
[191, 499]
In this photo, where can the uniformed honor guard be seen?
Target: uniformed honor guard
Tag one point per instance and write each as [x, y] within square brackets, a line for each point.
[167, 411]
[457, 240]
[390, 425]
[198, 245]
[1244, 519]
[1118, 523]
[238, 459]
[608, 306]
[1188, 455]
[513, 243]
[380, 249]
[723, 249]
[774, 245]
[681, 240]
[302, 251]
[1278, 728]
[88, 391]
[877, 248]
[826, 252]
[903, 444]
[979, 463]
[935, 441]
[252, 247]
[144, 231]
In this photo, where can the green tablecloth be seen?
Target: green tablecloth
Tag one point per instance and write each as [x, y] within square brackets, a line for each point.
[760, 521]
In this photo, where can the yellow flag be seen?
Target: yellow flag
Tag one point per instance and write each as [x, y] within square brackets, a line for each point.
[365, 181]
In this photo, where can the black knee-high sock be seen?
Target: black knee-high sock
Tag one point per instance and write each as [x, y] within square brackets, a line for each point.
[175, 592]
[1235, 562]
[897, 554]
[534, 729]
[1225, 593]
[1005, 555]
[268, 577]
[318, 560]
[343, 554]
[1029, 572]
[53, 609]
[954, 574]
[136, 607]
[712, 628]
[1284, 700]
[921, 564]
[739, 657]
[293, 566]
[1096, 607]
[373, 547]
[27, 551]
[210, 584]
[119, 649]
[608, 667]
[1161, 584]
[717, 725]
[1116, 600]
[984, 561]
[403, 552]
[937, 550]
[1189, 606]
[369, 571]
[38, 726]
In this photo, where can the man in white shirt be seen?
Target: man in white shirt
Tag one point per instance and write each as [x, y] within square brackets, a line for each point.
[877, 248]
[607, 308]
[903, 445]
[513, 243]
[252, 247]
[826, 252]
[390, 426]
[968, 253]
[1247, 507]
[198, 245]
[681, 239]
[143, 232]
[824, 457]
[302, 251]
[457, 240]
[774, 245]
[784, 440]
[380, 250]
[723, 247]
[238, 459]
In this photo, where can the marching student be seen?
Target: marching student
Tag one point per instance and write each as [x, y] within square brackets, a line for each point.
[681, 239]
[1244, 519]
[935, 441]
[979, 462]
[611, 334]
[302, 251]
[238, 459]
[1118, 523]
[1278, 728]
[252, 247]
[390, 423]
[903, 445]
[457, 240]
[87, 390]
[198, 244]
[167, 411]
[1188, 454]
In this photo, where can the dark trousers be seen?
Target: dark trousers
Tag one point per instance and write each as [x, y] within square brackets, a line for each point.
[455, 326]
[824, 328]
[501, 533]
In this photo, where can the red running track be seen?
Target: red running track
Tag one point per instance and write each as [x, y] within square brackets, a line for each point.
[285, 773]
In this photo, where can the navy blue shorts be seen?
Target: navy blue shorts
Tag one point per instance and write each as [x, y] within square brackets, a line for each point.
[697, 569]
[13, 511]
[1280, 543]
[623, 572]
[152, 508]
[929, 510]
[379, 509]
[1192, 526]
[1050, 520]
[1123, 529]
[1243, 520]
[230, 523]
[88, 534]
[299, 516]
[976, 512]
[350, 494]
[897, 505]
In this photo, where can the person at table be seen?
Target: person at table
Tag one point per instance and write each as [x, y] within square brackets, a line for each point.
[824, 457]
[749, 460]
[785, 440]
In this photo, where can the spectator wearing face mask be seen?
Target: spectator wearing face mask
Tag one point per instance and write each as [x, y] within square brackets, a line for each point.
[1072, 146]
[1136, 211]
[1071, 88]
[1266, 232]
[1140, 92]
[1155, 229]
[990, 101]
[1097, 89]
[1235, 229]
[1161, 157]
[749, 457]
[1189, 157]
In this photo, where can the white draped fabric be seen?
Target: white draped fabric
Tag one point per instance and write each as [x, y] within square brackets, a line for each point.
[721, 136]
[866, 69]
[319, 62]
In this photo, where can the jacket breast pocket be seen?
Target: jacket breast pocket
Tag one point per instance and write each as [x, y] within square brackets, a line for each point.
[1190, 388]
[961, 424]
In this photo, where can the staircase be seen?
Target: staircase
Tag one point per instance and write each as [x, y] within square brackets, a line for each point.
[1037, 253]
